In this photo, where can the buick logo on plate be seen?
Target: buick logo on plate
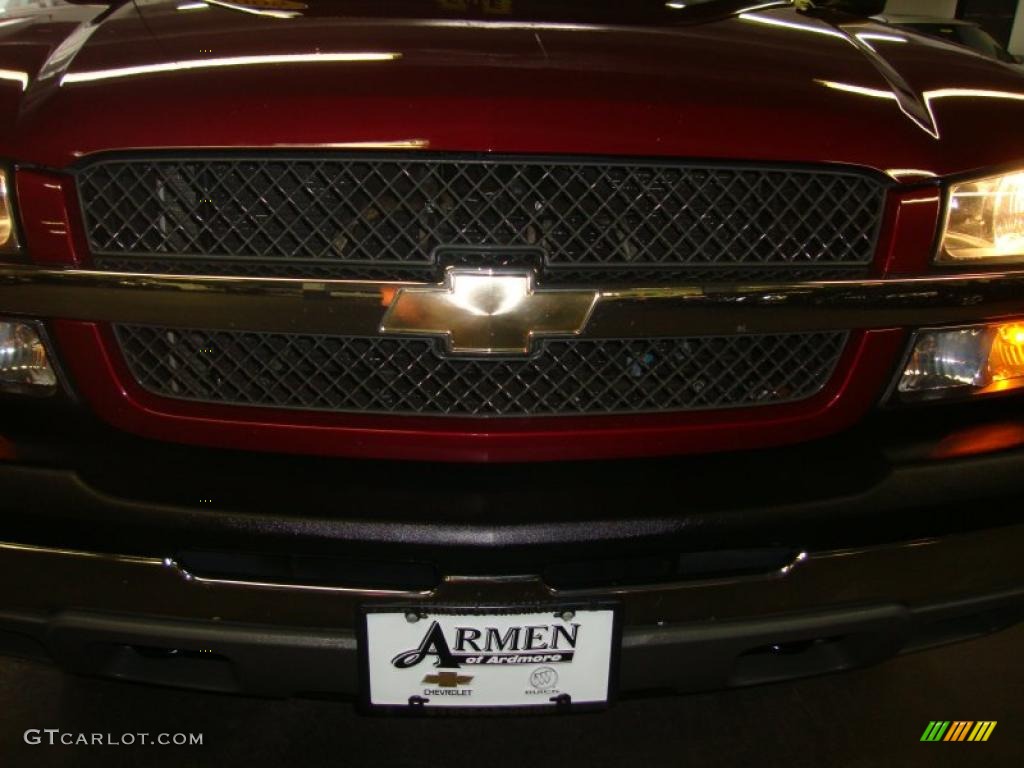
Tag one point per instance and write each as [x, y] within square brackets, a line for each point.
[543, 678]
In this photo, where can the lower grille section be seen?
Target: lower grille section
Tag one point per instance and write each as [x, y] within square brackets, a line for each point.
[409, 376]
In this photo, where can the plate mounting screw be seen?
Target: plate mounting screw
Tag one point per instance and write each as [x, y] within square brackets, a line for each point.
[567, 615]
[412, 617]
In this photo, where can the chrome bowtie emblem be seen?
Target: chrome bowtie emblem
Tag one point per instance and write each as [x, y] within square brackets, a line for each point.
[488, 312]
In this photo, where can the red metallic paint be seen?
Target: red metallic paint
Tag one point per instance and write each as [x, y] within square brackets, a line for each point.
[909, 232]
[50, 219]
[750, 86]
[104, 381]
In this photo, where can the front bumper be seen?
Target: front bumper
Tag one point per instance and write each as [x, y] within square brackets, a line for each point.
[147, 620]
[179, 566]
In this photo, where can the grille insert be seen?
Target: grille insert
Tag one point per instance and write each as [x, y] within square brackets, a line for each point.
[409, 376]
[377, 212]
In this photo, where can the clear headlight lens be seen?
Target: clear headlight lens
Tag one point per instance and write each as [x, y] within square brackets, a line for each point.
[25, 367]
[976, 360]
[8, 240]
[985, 221]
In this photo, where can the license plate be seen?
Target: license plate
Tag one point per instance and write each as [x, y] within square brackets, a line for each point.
[434, 659]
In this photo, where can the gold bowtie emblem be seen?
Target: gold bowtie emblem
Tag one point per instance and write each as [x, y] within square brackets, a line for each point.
[447, 680]
[488, 312]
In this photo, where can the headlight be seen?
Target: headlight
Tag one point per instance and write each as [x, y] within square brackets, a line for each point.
[976, 360]
[985, 221]
[25, 367]
[8, 238]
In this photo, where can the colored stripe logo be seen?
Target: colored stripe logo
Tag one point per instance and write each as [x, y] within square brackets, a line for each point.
[958, 730]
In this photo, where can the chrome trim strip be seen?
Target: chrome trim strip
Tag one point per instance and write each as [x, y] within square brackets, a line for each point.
[306, 587]
[800, 560]
[168, 564]
[112, 559]
[357, 308]
[924, 571]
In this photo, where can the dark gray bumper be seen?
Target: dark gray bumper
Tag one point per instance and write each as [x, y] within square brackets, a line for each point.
[146, 620]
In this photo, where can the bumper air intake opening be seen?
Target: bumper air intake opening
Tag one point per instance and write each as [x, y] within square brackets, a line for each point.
[201, 669]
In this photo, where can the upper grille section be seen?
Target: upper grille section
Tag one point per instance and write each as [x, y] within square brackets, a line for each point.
[392, 215]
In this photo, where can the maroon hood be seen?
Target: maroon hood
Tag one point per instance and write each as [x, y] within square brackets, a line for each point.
[702, 82]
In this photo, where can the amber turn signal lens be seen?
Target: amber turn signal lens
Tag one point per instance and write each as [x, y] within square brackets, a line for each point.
[976, 360]
[1006, 361]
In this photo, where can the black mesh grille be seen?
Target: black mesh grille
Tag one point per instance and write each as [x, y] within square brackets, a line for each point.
[398, 211]
[410, 376]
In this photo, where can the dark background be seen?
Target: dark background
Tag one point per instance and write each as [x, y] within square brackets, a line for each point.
[868, 717]
[995, 16]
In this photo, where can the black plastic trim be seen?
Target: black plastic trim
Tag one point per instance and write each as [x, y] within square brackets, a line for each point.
[692, 657]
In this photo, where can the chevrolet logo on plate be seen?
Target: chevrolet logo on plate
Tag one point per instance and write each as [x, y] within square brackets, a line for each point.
[488, 312]
[447, 680]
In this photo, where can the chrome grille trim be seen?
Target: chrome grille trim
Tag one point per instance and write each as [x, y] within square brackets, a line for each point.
[355, 308]
[608, 276]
